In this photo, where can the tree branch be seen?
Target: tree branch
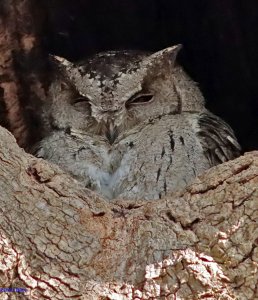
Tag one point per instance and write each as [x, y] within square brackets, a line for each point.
[61, 241]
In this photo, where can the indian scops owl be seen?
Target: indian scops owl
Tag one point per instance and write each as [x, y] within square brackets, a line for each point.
[131, 125]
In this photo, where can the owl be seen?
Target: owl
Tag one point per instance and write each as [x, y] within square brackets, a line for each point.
[131, 125]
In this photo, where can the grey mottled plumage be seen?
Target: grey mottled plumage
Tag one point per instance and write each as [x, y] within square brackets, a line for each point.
[131, 125]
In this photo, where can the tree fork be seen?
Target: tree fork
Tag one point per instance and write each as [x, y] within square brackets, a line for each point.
[61, 241]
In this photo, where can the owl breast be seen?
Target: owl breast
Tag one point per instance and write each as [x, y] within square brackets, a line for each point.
[145, 163]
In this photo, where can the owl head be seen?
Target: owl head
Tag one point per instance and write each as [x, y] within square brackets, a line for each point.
[116, 90]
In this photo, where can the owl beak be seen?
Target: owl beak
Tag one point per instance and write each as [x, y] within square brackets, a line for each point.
[111, 131]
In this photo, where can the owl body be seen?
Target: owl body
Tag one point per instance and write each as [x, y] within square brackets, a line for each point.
[131, 125]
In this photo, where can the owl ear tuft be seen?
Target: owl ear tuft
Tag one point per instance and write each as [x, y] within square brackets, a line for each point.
[165, 57]
[61, 62]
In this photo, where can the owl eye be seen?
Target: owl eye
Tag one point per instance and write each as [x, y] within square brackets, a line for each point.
[81, 99]
[81, 103]
[139, 99]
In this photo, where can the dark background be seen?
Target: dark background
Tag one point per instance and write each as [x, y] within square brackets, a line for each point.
[220, 41]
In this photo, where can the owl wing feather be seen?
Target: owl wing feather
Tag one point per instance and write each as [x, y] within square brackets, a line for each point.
[217, 139]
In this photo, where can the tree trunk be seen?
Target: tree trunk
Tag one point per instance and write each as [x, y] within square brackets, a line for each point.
[22, 67]
[61, 241]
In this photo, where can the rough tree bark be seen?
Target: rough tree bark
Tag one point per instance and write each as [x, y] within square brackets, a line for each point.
[23, 67]
[61, 241]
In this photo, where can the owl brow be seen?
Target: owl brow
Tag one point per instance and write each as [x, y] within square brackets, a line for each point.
[82, 95]
[134, 93]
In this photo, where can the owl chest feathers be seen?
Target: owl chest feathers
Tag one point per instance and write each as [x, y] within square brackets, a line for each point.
[145, 163]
